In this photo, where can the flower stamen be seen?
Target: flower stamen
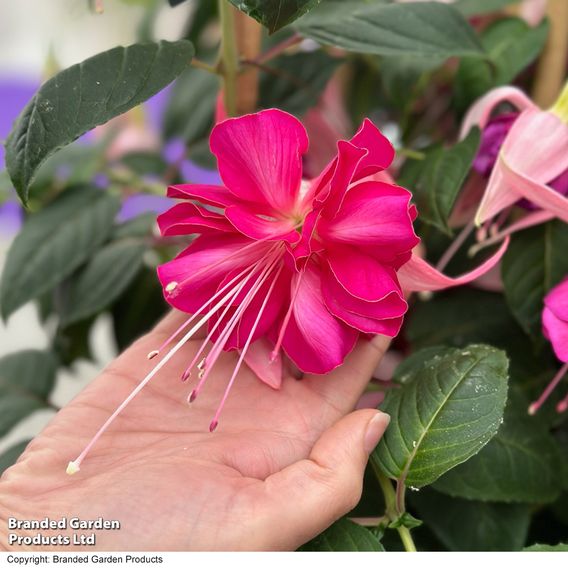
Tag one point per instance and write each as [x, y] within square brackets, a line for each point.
[563, 405]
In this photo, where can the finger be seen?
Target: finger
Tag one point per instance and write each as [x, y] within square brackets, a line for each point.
[308, 496]
[344, 385]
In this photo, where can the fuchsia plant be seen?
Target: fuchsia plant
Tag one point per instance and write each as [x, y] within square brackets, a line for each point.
[525, 169]
[284, 264]
[555, 329]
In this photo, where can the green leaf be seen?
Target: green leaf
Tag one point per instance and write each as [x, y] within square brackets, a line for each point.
[560, 547]
[444, 415]
[135, 228]
[274, 14]
[129, 321]
[535, 261]
[296, 81]
[519, 465]
[473, 526]
[11, 455]
[344, 536]
[26, 380]
[102, 280]
[86, 95]
[436, 181]
[54, 242]
[73, 343]
[391, 29]
[191, 106]
[511, 45]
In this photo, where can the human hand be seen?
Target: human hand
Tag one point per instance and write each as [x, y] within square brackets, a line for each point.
[281, 467]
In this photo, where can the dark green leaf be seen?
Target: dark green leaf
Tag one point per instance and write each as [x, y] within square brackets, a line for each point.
[11, 455]
[130, 322]
[344, 536]
[535, 261]
[274, 14]
[54, 242]
[444, 415]
[26, 380]
[190, 110]
[136, 228]
[511, 45]
[86, 95]
[103, 280]
[560, 547]
[391, 29]
[145, 163]
[435, 181]
[73, 343]
[472, 526]
[520, 464]
[296, 82]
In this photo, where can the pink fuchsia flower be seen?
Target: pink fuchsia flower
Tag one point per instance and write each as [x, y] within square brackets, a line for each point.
[289, 265]
[555, 329]
[534, 152]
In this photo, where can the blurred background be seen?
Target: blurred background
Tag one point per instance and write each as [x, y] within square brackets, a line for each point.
[62, 33]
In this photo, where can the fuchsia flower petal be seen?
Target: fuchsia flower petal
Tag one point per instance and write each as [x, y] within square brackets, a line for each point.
[199, 270]
[216, 195]
[555, 319]
[480, 113]
[417, 275]
[315, 340]
[258, 226]
[260, 157]
[374, 216]
[187, 218]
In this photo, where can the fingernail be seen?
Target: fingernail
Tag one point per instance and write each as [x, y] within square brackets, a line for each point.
[375, 430]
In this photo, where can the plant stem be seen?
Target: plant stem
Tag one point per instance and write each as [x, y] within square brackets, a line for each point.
[406, 538]
[198, 64]
[394, 509]
[229, 57]
[412, 154]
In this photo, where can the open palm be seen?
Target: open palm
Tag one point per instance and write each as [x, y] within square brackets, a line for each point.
[281, 466]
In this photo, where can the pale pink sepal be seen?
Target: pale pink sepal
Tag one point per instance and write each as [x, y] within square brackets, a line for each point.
[419, 276]
[258, 359]
[533, 11]
[480, 112]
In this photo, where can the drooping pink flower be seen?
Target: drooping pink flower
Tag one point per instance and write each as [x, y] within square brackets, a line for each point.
[286, 265]
[555, 329]
[534, 153]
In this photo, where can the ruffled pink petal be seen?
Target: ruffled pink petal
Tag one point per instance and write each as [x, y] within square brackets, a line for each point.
[382, 316]
[374, 216]
[361, 275]
[260, 157]
[315, 340]
[208, 194]
[258, 360]
[480, 112]
[380, 152]
[201, 267]
[557, 300]
[188, 218]
[556, 330]
[258, 227]
[347, 163]
[418, 276]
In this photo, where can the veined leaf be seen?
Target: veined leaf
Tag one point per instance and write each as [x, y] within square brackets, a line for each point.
[85, 95]
[103, 280]
[274, 14]
[437, 180]
[444, 414]
[54, 242]
[422, 29]
[344, 536]
[535, 261]
[26, 380]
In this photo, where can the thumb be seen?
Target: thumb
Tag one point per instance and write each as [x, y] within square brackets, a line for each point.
[308, 496]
